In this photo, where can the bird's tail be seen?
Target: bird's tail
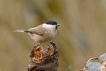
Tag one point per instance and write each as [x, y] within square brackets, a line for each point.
[19, 30]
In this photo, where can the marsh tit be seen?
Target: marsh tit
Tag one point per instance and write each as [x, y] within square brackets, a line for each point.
[42, 33]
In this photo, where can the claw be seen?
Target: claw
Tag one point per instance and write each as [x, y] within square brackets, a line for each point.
[50, 47]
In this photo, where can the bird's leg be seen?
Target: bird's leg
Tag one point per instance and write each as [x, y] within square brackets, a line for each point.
[50, 47]
[42, 49]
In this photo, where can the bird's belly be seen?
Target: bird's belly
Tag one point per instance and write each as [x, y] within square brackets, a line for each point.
[42, 39]
[45, 40]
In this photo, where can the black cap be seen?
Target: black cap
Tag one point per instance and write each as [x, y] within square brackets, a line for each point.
[51, 22]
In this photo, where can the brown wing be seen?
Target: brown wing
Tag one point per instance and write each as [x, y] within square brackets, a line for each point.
[37, 30]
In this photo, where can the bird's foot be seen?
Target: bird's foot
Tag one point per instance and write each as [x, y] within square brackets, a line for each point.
[43, 50]
[50, 47]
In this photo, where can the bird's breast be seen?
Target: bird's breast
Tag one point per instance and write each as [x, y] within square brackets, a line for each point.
[48, 36]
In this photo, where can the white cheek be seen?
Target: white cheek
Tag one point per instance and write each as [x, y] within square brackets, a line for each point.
[51, 27]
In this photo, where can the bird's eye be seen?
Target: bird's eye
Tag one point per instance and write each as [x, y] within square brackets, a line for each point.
[54, 23]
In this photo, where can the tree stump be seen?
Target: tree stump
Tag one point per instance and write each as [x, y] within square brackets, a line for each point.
[41, 60]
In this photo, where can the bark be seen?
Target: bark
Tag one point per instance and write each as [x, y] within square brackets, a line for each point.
[41, 60]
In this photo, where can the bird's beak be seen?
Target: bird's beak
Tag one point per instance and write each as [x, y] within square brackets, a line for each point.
[58, 24]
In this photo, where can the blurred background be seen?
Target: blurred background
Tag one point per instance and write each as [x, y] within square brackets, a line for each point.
[82, 33]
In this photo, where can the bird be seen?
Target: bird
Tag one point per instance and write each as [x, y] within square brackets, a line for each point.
[42, 33]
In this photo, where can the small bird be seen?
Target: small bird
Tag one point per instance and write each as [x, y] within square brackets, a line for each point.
[42, 33]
